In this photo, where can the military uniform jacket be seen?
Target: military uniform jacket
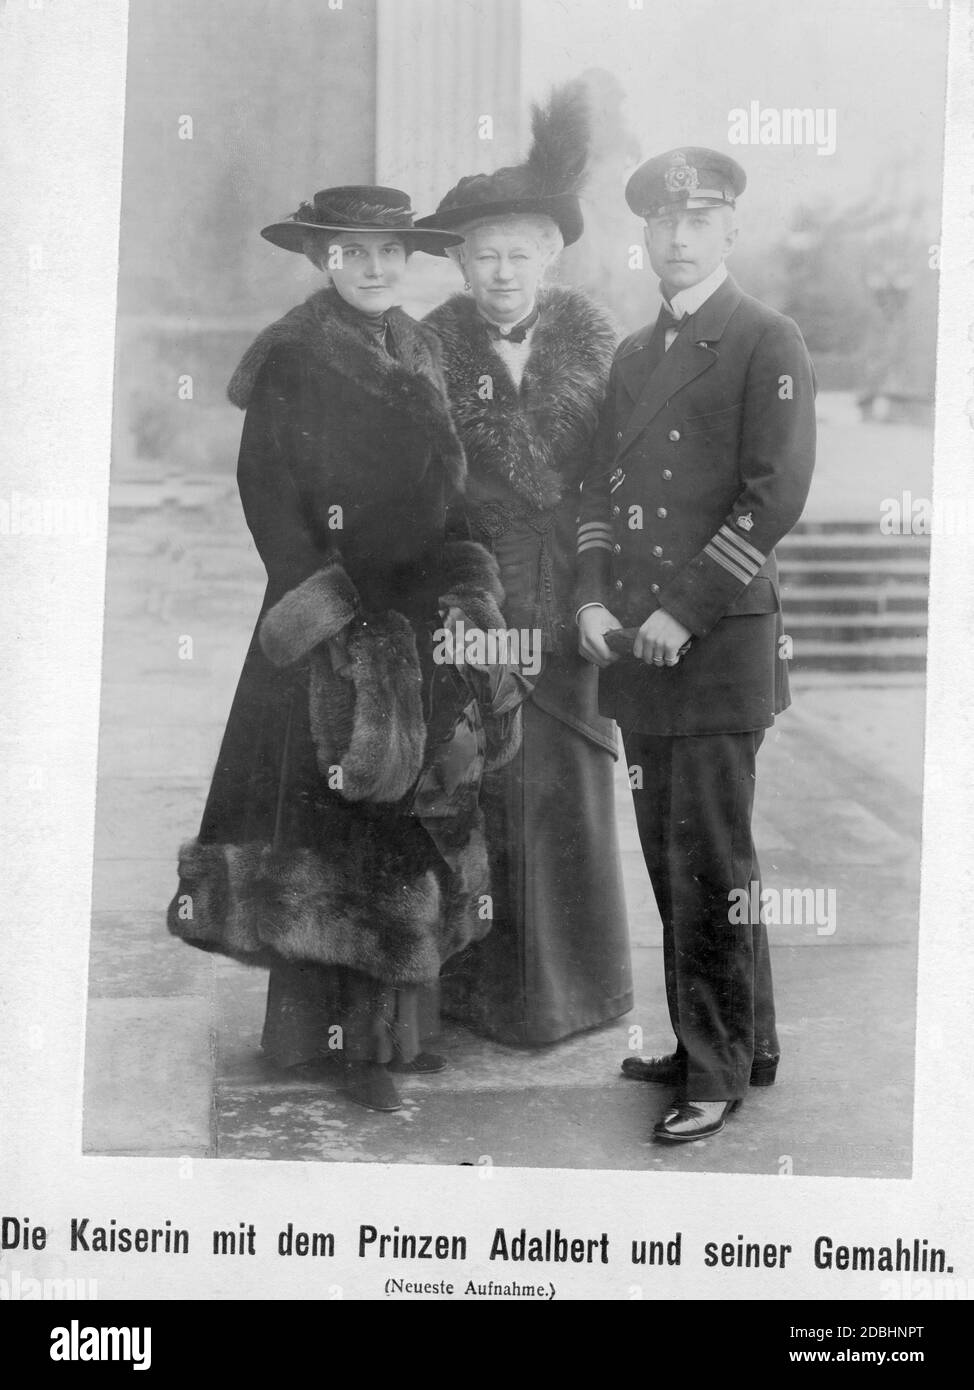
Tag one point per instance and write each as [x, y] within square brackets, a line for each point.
[703, 462]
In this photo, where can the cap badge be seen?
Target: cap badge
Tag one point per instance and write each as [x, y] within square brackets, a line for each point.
[680, 177]
[746, 521]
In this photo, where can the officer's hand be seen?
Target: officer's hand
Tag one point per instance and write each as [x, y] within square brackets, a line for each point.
[659, 640]
[593, 623]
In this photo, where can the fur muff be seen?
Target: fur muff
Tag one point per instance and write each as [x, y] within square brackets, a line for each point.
[535, 440]
[366, 718]
[414, 381]
[259, 905]
[474, 584]
[387, 742]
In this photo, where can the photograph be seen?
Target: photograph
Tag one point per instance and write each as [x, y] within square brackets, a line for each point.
[488, 769]
[514, 662]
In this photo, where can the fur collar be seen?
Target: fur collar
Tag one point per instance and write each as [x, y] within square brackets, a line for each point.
[328, 330]
[534, 439]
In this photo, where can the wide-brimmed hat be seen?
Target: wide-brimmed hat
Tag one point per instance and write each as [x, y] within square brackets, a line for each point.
[357, 208]
[546, 184]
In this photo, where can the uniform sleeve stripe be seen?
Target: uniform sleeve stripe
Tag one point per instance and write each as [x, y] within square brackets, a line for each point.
[744, 545]
[728, 565]
[746, 564]
[592, 545]
[602, 527]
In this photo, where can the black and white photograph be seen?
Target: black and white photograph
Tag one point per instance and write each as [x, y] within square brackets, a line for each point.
[512, 692]
[515, 610]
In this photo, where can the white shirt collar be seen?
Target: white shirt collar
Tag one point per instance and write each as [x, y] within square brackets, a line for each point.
[688, 301]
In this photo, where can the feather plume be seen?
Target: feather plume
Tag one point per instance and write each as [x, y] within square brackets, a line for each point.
[561, 130]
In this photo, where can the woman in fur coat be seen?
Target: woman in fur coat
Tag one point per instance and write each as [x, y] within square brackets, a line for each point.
[526, 370]
[341, 843]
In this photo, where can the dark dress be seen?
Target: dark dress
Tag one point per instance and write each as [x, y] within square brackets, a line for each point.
[557, 958]
[341, 843]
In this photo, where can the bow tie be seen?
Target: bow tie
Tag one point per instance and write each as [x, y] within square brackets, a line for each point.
[518, 333]
[666, 320]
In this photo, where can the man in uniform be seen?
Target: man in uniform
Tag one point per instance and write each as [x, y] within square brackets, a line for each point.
[704, 462]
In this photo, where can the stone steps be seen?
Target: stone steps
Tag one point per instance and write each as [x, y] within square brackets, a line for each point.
[854, 599]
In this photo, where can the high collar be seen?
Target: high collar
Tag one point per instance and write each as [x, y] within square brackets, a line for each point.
[358, 317]
[709, 321]
[522, 326]
[688, 301]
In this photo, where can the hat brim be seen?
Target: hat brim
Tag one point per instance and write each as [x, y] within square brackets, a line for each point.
[686, 205]
[292, 236]
[564, 210]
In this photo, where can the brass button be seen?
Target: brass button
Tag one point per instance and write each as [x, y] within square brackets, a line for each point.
[618, 434]
[657, 551]
[617, 549]
[615, 511]
[617, 473]
[654, 588]
[618, 583]
[661, 513]
[673, 436]
[667, 474]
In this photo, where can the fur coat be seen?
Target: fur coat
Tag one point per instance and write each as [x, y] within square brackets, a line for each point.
[342, 824]
[527, 450]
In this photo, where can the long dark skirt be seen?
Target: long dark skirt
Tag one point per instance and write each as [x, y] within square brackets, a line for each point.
[556, 960]
[329, 1011]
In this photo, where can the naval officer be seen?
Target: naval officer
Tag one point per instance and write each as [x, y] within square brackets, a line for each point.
[704, 460]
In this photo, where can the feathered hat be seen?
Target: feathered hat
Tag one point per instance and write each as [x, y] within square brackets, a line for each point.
[546, 183]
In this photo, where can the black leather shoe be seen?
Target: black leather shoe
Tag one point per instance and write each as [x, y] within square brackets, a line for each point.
[421, 1064]
[369, 1084]
[667, 1071]
[693, 1119]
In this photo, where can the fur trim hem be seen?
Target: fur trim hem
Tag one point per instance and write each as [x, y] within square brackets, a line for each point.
[260, 905]
[306, 616]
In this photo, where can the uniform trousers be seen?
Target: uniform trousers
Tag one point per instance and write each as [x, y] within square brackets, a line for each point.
[693, 801]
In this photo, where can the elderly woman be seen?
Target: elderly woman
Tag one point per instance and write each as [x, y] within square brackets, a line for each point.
[341, 843]
[526, 370]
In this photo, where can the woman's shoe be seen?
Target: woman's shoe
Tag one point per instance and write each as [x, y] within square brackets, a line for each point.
[369, 1084]
[423, 1062]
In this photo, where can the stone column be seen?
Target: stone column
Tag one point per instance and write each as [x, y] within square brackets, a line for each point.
[444, 66]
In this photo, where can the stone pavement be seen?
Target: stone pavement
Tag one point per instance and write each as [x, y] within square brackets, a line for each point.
[173, 1064]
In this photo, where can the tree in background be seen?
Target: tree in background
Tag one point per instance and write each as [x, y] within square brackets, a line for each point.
[860, 281]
